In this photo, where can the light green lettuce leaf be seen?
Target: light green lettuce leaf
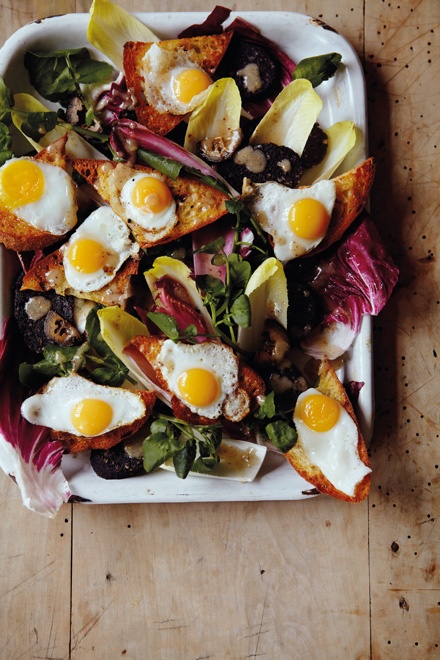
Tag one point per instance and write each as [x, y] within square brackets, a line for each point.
[290, 118]
[341, 139]
[111, 26]
[267, 293]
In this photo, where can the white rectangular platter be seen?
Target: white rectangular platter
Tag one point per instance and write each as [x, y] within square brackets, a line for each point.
[343, 98]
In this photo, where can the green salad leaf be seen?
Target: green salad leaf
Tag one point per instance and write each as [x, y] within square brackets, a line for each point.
[162, 164]
[318, 68]
[5, 144]
[171, 437]
[6, 103]
[275, 425]
[37, 124]
[108, 368]
[57, 75]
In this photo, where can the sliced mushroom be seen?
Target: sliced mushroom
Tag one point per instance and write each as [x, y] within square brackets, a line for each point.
[59, 331]
[274, 345]
[217, 149]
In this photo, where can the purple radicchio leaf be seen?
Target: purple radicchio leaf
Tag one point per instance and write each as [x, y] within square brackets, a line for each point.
[357, 279]
[206, 235]
[113, 101]
[26, 453]
[247, 32]
[213, 24]
[127, 136]
[169, 298]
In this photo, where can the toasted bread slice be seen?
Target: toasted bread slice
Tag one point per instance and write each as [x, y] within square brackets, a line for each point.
[74, 444]
[17, 234]
[205, 51]
[48, 273]
[197, 203]
[250, 385]
[352, 192]
[330, 385]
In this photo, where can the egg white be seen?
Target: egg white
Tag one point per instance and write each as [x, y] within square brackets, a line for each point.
[53, 407]
[270, 206]
[156, 225]
[107, 228]
[333, 451]
[175, 358]
[55, 211]
[160, 68]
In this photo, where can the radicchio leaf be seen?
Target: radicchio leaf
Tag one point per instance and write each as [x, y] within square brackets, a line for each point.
[127, 136]
[246, 31]
[170, 302]
[213, 24]
[357, 280]
[26, 453]
[113, 101]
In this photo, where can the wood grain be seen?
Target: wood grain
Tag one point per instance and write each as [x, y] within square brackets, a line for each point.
[282, 580]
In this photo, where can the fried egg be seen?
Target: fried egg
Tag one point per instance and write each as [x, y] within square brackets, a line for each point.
[41, 194]
[330, 439]
[76, 405]
[173, 82]
[96, 250]
[297, 219]
[204, 377]
[147, 200]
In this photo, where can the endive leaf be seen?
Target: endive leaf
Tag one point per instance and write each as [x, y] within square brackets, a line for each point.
[267, 293]
[111, 26]
[175, 269]
[217, 116]
[341, 139]
[76, 147]
[117, 330]
[23, 105]
[291, 117]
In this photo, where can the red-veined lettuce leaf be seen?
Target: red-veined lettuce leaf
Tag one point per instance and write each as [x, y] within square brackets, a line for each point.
[357, 279]
[26, 453]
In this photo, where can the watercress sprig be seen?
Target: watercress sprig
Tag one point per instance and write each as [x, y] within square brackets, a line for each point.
[275, 425]
[171, 437]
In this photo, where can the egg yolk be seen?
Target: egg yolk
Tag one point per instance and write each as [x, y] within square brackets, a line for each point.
[198, 387]
[22, 182]
[308, 218]
[87, 255]
[91, 416]
[318, 411]
[151, 195]
[189, 83]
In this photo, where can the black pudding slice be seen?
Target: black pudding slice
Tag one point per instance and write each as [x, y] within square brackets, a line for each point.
[261, 163]
[304, 310]
[119, 462]
[44, 318]
[315, 148]
[252, 68]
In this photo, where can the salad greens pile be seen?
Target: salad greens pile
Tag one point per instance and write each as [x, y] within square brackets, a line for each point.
[229, 275]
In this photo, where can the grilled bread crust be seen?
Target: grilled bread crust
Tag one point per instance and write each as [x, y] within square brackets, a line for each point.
[74, 444]
[248, 380]
[330, 385]
[48, 274]
[206, 51]
[352, 192]
[15, 233]
[197, 203]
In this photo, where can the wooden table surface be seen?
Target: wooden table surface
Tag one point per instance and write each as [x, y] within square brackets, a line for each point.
[311, 579]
